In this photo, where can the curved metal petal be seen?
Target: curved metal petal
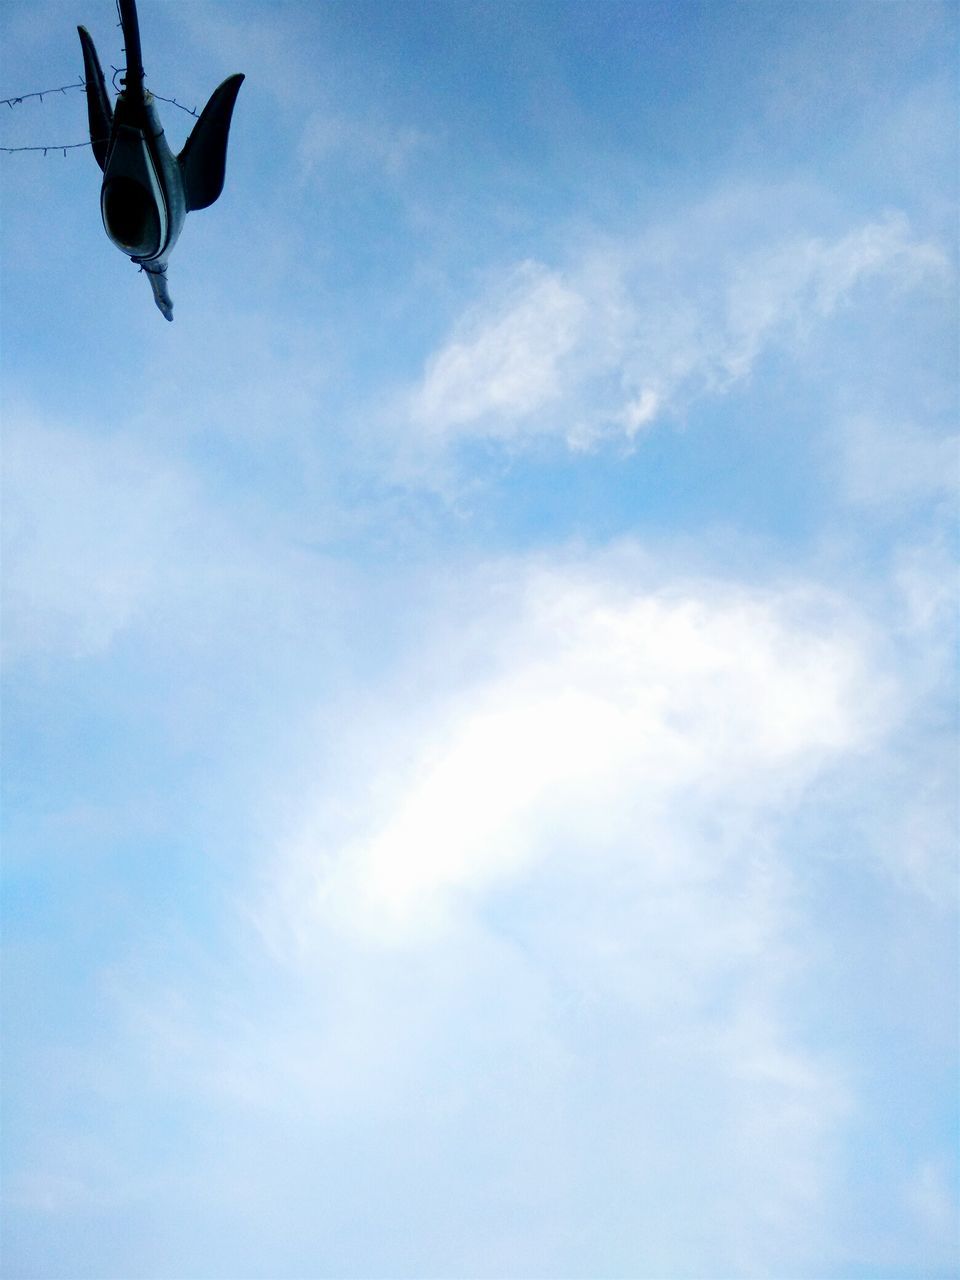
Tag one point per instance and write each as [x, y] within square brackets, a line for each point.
[204, 157]
[99, 110]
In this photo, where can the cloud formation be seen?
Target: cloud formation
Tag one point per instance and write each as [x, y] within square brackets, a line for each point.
[507, 360]
[550, 891]
[90, 528]
[558, 880]
[615, 712]
[383, 146]
[629, 332]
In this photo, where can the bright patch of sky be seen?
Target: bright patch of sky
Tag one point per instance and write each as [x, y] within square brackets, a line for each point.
[480, 693]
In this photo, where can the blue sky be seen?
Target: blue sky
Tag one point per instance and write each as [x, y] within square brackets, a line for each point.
[480, 691]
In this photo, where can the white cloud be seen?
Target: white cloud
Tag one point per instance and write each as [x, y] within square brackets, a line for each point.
[504, 360]
[629, 332]
[537, 935]
[640, 411]
[561, 852]
[538, 927]
[615, 713]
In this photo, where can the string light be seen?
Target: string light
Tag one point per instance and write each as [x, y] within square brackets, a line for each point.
[38, 93]
[63, 88]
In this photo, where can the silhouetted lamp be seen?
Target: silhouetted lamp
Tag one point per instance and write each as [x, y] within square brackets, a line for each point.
[147, 191]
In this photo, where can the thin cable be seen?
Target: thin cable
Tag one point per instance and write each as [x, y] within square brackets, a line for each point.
[39, 93]
[81, 84]
[191, 111]
[53, 146]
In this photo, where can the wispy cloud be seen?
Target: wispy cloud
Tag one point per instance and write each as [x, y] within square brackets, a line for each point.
[329, 136]
[89, 530]
[105, 535]
[931, 1199]
[507, 360]
[895, 465]
[627, 333]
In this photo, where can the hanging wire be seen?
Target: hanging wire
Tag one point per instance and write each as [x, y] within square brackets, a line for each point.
[63, 88]
[191, 111]
[53, 146]
[39, 93]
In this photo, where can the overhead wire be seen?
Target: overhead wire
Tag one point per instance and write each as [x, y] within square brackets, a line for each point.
[20, 98]
[39, 93]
